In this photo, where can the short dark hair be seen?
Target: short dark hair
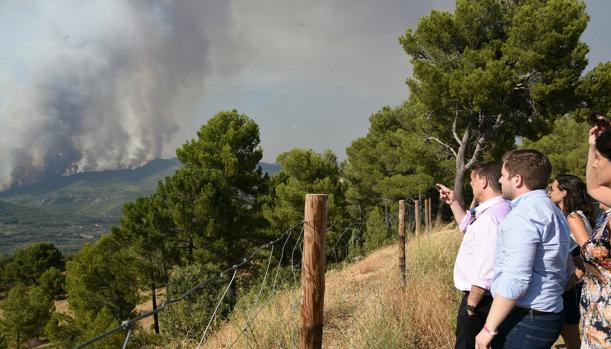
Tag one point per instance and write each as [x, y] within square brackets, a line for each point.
[491, 170]
[603, 144]
[576, 198]
[534, 167]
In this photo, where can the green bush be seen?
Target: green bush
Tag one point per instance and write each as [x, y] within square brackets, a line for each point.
[189, 317]
[53, 282]
[24, 313]
[376, 231]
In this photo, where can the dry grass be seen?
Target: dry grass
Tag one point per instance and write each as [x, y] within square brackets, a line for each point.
[365, 307]
[147, 323]
[62, 306]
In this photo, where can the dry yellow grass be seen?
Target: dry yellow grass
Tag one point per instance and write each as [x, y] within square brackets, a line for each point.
[62, 306]
[147, 323]
[365, 306]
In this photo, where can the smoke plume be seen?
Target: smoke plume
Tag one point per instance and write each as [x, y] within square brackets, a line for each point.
[99, 82]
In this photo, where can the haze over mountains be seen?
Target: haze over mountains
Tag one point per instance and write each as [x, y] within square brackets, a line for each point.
[72, 210]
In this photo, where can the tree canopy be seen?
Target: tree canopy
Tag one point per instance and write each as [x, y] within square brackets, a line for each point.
[393, 161]
[212, 198]
[494, 70]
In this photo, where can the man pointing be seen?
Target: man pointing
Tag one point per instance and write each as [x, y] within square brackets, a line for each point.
[474, 267]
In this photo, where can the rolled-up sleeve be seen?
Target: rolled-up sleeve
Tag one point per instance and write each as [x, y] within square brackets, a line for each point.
[520, 239]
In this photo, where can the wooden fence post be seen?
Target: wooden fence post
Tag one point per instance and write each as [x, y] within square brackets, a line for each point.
[313, 271]
[426, 215]
[402, 241]
[417, 216]
[430, 200]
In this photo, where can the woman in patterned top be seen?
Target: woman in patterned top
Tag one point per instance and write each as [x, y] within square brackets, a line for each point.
[568, 192]
[596, 294]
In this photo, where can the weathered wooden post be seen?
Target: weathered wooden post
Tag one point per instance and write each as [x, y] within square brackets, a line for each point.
[430, 203]
[417, 216]
[402, 241]
[313, 271]
[426, 215]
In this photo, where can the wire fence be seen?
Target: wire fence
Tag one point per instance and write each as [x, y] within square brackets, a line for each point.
[345, 239]
[128, 325]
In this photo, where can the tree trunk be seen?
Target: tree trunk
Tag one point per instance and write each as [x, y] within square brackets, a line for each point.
[458, 183]
[460, 167]
[155, 315]
[190, 252]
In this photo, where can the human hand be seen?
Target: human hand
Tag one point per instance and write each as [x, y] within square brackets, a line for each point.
[593, 134]
[483, 340]
[446, 194]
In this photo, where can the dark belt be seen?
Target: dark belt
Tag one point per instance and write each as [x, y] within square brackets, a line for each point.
[527, 311]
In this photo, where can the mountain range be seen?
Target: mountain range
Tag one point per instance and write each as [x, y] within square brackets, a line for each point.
[72, 210]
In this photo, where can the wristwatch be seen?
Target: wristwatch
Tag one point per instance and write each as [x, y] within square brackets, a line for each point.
[470, 308]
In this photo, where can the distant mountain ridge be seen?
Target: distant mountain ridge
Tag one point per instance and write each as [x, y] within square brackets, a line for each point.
[82, 205]
[55, 183]
[151, 168]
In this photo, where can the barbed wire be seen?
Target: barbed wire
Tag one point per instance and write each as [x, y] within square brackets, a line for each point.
[218, 305]
[254, 314]
[128, 324]
[268, 301]
[256, 301]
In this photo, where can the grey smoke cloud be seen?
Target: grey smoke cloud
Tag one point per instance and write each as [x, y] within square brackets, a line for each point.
[102, 81]
[101, 84]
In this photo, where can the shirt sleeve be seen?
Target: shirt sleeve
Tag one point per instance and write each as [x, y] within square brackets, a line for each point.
[486, 243]
[520, 240]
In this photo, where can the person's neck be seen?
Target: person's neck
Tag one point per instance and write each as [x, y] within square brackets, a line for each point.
[487, 195]
[521, 191]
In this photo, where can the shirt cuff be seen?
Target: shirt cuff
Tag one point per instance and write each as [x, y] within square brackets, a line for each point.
[509, 288]
[482, 283]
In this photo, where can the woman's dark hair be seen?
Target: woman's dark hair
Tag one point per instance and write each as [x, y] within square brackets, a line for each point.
[603, 144]
[576, 198]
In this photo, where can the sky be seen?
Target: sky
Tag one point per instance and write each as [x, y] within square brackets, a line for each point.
[112, 83]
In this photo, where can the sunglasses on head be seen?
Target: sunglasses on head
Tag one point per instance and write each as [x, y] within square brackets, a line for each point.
[598, 119]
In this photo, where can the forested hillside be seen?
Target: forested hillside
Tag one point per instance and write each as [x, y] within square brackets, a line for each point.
[71, 210]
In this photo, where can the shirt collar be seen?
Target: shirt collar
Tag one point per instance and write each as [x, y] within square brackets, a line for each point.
[486, 204]
[533, 193]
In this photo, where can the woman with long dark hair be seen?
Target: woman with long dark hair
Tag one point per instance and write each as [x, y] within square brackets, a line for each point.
[596, 294]
[569, 193]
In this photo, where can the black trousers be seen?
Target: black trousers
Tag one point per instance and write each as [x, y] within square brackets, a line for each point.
[468, 327]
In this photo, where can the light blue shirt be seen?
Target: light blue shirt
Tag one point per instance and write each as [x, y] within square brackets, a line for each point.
[531, 253]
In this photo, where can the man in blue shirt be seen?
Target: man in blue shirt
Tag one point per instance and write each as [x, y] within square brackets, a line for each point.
[531, 259]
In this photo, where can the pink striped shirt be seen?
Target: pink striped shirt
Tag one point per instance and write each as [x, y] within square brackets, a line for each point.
[475, 260]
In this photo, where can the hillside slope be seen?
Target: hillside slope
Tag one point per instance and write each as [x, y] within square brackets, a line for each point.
[99, 194]
[365, 306]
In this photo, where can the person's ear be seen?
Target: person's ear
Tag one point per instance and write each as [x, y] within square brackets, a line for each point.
[518, 180]
[485, 183]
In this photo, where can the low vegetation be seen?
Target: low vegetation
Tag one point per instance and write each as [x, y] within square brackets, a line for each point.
[365, 306]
